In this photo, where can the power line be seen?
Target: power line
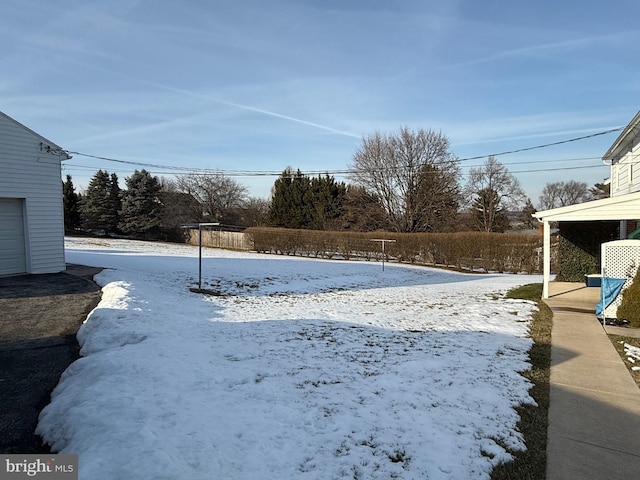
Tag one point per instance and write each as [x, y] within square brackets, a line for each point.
[264, 173]
[576, 139]
[173, 169]
[338, 173]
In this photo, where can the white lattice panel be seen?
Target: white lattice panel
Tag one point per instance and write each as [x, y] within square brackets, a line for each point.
[620, 259]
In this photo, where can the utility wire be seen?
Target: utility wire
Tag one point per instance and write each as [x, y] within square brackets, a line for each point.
[259, 173]
[544, 145]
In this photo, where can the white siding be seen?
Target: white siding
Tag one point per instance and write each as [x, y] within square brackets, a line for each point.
[29, 172]
[625, 175]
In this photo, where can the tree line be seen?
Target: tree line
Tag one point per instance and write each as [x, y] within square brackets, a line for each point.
[152, 207]
[406, 182]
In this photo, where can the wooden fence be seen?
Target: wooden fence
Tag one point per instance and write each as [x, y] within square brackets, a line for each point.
[219, 239]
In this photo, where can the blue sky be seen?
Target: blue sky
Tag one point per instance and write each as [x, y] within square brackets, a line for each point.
[257, 86]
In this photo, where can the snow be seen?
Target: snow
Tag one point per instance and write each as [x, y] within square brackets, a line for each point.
[633, 354]
[297, 369]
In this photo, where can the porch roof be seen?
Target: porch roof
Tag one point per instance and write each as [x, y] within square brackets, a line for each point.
[622, 207]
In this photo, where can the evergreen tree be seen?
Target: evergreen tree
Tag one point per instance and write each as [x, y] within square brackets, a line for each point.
[487, 213]
[600, 190]
[526, 215]
[98, 211]
[361, 211]
[288, 208]
[324, 199]
[115, 199]
[301, 202]
[70, 203]
[140, 213]
[437, 199]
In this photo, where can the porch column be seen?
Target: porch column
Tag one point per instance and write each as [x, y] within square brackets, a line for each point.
[546, 262]
[623, 229]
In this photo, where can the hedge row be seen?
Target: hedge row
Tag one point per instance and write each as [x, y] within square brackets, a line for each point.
[474, 251]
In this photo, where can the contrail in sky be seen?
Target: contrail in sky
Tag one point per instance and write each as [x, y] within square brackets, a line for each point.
[249, 108]
[223, 102]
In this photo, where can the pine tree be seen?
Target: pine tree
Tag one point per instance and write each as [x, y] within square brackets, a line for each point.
[98, 211]
[487, 214]
[140, 213]
[526, 215]
[288, 208]
[115, 199]
[302, 202]
[361, 211]
[70, 202]
[324, 200]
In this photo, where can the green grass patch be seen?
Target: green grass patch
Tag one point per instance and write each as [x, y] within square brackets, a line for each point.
[532, 463]
[618, 342]
[532, 291]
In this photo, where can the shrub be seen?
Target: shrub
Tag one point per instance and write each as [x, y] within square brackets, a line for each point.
[474, 251]
[579, 248]
[629, 308]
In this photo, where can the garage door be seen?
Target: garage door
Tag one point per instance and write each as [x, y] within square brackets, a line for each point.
[12, 253]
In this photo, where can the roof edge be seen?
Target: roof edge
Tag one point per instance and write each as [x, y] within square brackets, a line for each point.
[64, 155]
[631, 126]
[555, 212]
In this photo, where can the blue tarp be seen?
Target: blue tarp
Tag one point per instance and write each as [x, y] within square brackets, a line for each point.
[609, 290]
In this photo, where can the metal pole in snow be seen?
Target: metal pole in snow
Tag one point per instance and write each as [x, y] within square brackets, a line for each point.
[383, 255]
[383, 241]
[199, 257]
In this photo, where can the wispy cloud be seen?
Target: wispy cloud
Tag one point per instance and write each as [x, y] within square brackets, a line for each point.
[254, 109]
[529, 127]
[137, 131]
[241, 106]
[544, 49]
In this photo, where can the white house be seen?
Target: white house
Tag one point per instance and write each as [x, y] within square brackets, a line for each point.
[622, 205]
[622, 156]
[31, 214]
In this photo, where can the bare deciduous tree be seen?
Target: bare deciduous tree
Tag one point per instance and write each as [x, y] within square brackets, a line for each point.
[413, 175]
[256, 212]
[219, 195]
[178, 207]
[561, 194]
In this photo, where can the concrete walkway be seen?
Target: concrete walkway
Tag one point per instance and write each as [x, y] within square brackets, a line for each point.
[594, 413]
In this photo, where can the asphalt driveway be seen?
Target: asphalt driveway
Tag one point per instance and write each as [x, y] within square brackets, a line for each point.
[39, 317]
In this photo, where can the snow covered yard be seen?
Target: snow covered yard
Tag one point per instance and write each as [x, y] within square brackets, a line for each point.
[298, 369]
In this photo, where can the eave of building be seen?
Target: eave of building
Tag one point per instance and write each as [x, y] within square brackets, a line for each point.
[623, 207]
[64, 155]
[626, 138]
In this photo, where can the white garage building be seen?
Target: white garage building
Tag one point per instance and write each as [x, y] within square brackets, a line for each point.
[31, 214]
